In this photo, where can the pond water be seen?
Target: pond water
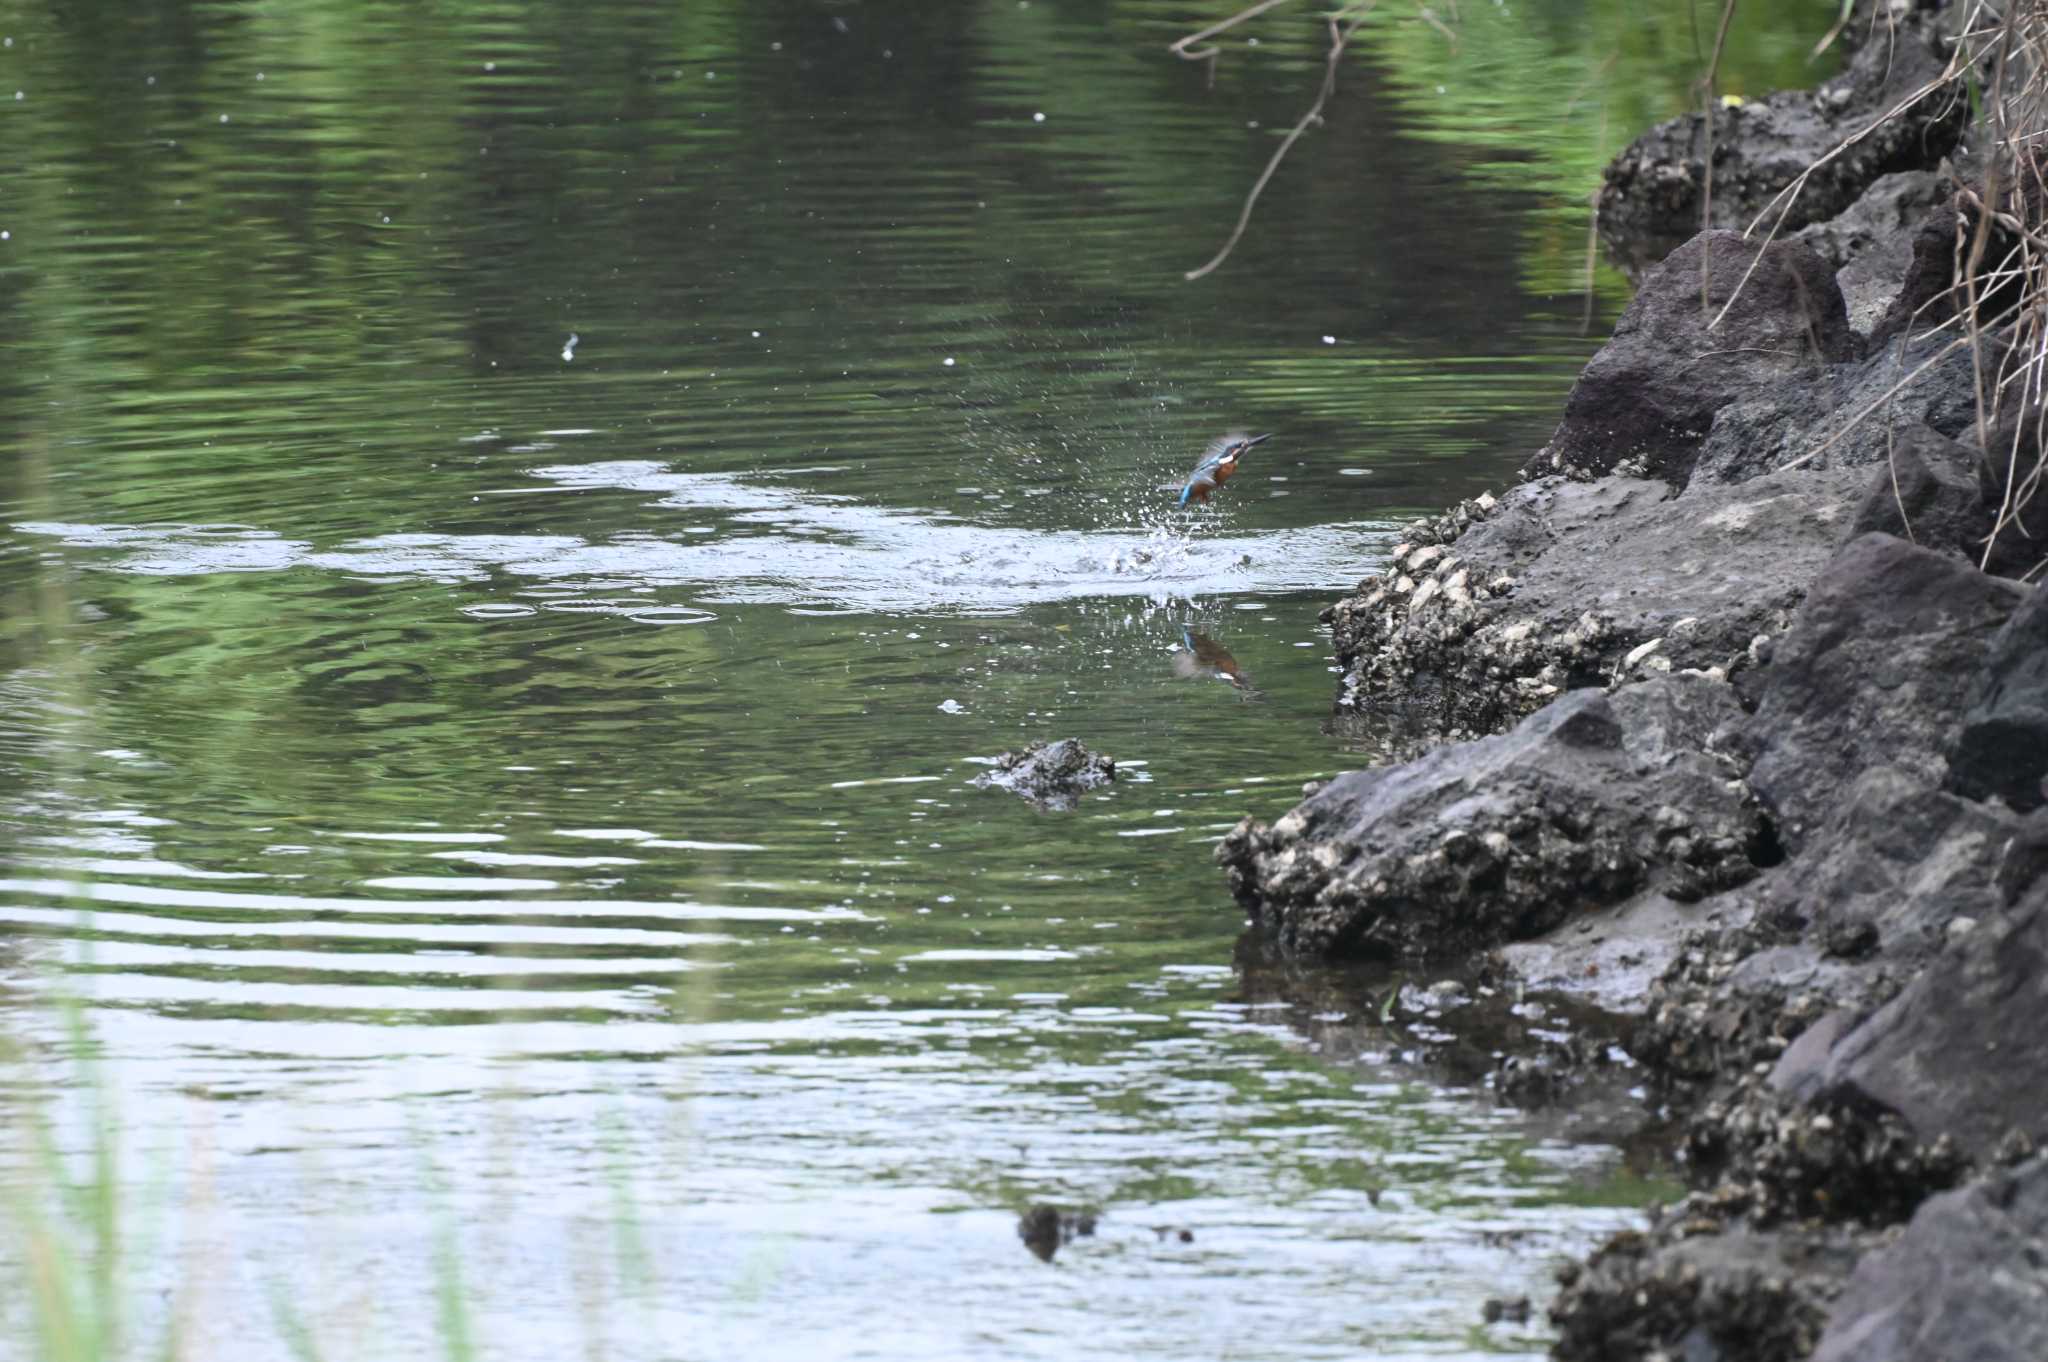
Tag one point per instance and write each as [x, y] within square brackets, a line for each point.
[520, 525]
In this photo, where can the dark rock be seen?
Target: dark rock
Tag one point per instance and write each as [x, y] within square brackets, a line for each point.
[1651, 197]
[1851, 940]
[2002, 749]
[1050, 775]
[1850, 415]
[1039, 1228]
[1646, 401]
[2026, 858]
[1927, 494]
[1968, 1280]
[1614, 965]
[1733, 1295]
[1875, 247]
[1566, 584]
[2010, 478]
[1873, 672]
[1512, 1309]
[1542, 1078]
[1046, 1229]
[1921, 295]
[1773, 1162]
[1698, 1026]
[1958, 1052]
[1710, 1278]
[1892, 863]
[1582, 805]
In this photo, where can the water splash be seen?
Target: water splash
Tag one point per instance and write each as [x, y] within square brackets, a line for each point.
[775, 544]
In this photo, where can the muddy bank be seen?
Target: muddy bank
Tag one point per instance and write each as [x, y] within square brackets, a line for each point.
[1732, 720]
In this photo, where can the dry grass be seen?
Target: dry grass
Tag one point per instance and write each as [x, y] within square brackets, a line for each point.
[1997, 306]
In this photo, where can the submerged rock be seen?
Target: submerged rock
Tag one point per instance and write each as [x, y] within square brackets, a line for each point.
[1648, 398]
[1045, 1229]
[1584, 804]
[1050, 775]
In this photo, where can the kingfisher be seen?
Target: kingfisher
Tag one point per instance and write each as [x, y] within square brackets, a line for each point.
[1219, 461]
[1205, 657]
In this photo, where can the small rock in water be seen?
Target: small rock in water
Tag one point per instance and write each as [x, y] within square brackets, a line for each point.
[1050, 775]
[1045, 1228]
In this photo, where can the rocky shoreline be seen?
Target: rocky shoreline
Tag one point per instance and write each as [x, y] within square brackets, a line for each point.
[1726, 721]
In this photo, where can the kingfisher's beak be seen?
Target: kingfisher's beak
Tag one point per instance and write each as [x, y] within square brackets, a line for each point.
[1257, 439]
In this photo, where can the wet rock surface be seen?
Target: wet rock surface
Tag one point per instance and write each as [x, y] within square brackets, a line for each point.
[1051, 775]
[1503, 838]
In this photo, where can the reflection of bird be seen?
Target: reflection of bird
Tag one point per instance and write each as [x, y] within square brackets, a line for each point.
[1219, 461]
[1206, 657]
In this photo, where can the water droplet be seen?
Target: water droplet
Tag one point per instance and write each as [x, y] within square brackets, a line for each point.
[490, 66]
[1038, 118]
[569, 348]
[1329, 340]
[949, 361]
[223, 117]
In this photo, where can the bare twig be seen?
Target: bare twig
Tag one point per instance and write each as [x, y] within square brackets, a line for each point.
[1429, 17]
[1707, 100]
[1997, 112]
[1828, 39]
[1187, 50]
[1340, 34]
[1593, 227]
